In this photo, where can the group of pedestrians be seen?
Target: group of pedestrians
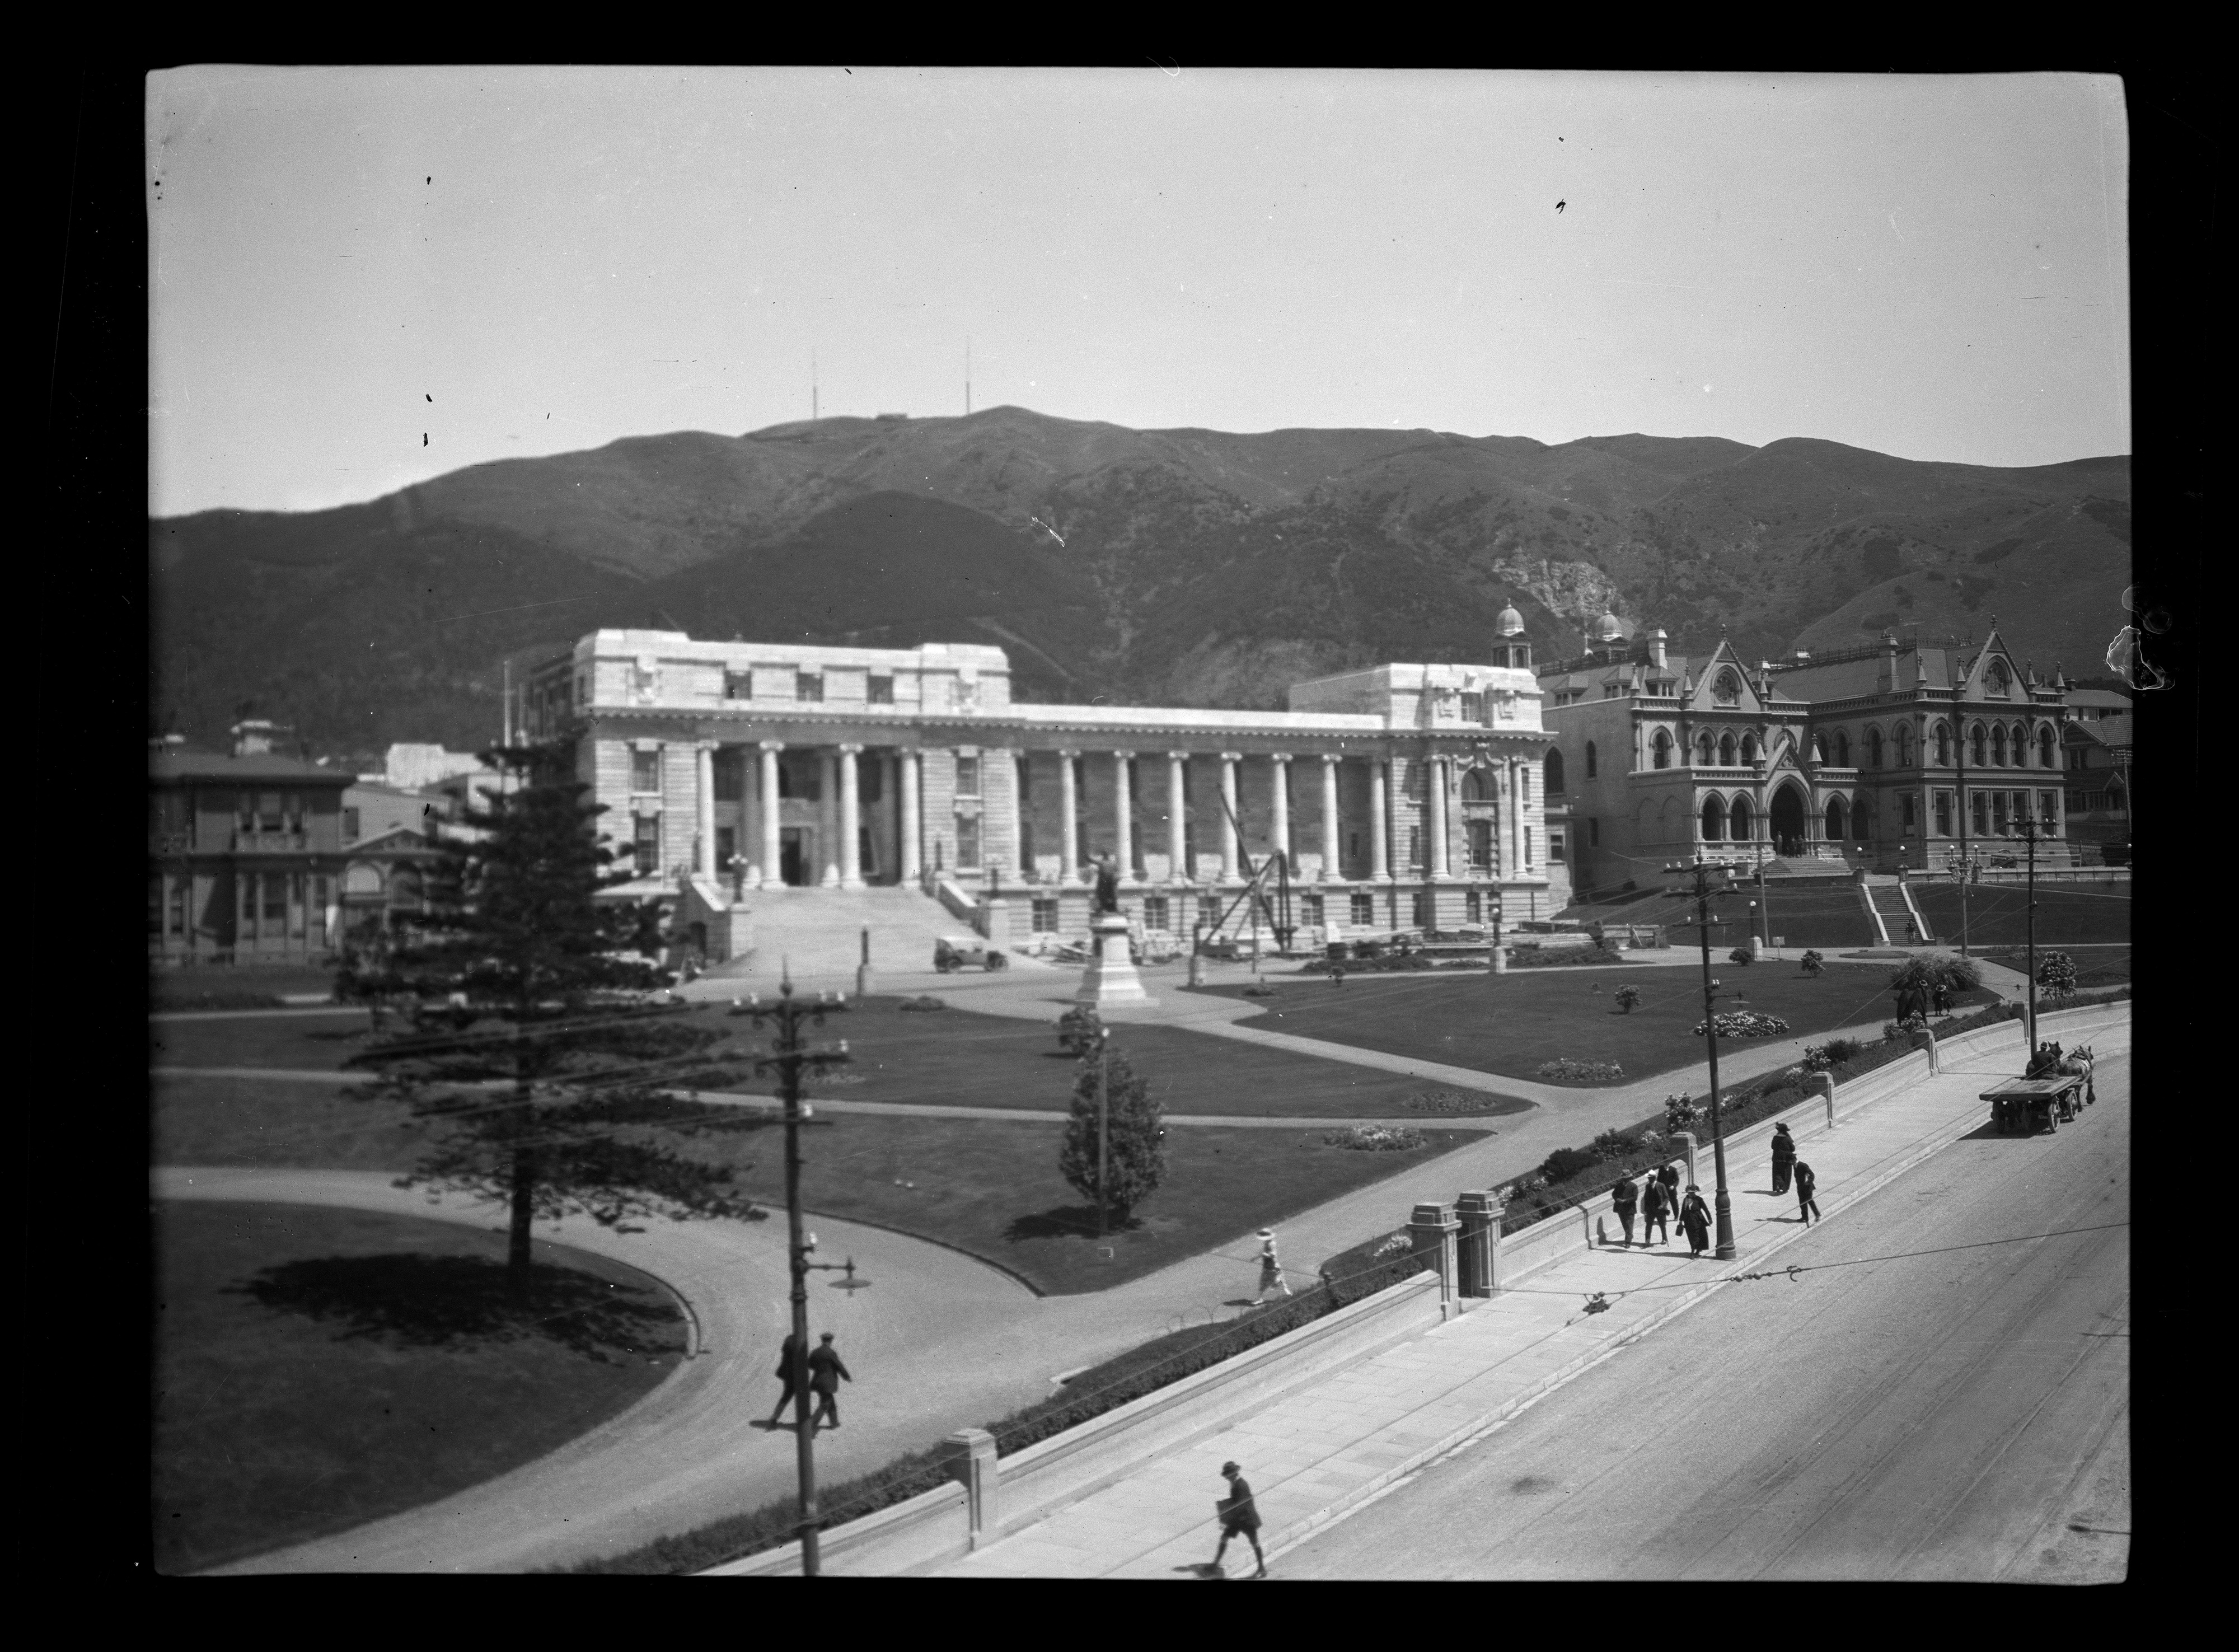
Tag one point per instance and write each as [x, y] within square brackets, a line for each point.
[1655, 1199]
[826, 1372]
[1786, 1167]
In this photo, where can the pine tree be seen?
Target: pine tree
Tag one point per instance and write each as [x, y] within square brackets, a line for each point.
[533, 1057]
[1136, 1159]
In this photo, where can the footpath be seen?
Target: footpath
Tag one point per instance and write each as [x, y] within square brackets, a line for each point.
[1325, 1448]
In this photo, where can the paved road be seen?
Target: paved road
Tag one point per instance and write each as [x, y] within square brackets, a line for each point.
[1961, 1415]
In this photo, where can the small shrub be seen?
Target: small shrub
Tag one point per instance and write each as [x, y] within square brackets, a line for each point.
[926, 1002]
[1679, 1112]
[2056, 973]
[1628, 997]
[1613, 1144]
[1376, 1138]
[1566, 1071]
[1078, 1030]
[1564, 1162]
[1741, 954]
[1812, 963]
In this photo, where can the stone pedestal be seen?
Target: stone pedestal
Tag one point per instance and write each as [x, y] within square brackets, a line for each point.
[1500, 960]
[1197, 969]
[971, 1458]
[1110, 977]
[1479, 1248]
[1433, 1229]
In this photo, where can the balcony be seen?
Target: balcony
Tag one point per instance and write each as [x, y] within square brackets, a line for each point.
[263, 842]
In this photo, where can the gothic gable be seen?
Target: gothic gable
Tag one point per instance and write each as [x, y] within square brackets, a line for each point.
[1724, 685]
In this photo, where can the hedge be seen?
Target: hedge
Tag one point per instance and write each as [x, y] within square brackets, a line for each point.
[1534, 957]
[1346, 1278]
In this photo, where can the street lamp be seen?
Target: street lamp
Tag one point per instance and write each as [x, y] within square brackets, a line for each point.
[1103, 1122]
[790, 1059]
[1700, 869]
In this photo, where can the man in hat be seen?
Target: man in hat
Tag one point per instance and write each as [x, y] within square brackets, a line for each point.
[785, 1374]
[1807, 1184]
[1271, 1271]
[1239, 1513]
[825, 1370]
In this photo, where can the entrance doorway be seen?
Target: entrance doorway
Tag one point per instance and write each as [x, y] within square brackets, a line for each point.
[1786, 817]
[793, 857]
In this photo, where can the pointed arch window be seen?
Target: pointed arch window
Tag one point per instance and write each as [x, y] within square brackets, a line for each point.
[1749, 747]
[1659, 752]
[1714, 820]
[1841, 748]
[1996, 680]
[1874, 748]
[1704, 751]
[2044, 743]
[1978, 747]
[1943, 747]
[1592, 769]
[1740, 823]
[1555, 782]
[1726, 750]
[1997, 745]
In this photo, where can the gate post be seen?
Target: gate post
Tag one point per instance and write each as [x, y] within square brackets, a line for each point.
[1433, 1227]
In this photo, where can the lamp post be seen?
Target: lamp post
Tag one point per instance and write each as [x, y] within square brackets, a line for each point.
[1103, 1122]
[1700, 869]
[790, 1058]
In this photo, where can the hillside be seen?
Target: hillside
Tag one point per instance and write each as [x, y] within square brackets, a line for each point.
[1190, 567]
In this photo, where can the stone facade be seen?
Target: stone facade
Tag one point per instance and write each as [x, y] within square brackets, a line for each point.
[770, 765]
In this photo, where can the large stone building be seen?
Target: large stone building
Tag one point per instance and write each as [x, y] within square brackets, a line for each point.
[1397, 796]
[1883, 756]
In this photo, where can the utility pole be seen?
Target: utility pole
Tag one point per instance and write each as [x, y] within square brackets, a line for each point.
[1701, 870]
[2029, 830]
[1965, 865]
[1103, 1122]
[789, 1059]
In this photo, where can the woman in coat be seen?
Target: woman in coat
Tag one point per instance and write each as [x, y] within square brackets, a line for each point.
[1784, 1157]
[1695, 1217]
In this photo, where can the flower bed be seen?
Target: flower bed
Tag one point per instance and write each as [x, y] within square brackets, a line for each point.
[1453, 1101]
[1526, 955]
[1566, 1071]
[1375, 1138]
[1746, 1023]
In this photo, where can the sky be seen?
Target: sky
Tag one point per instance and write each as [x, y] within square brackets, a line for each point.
[363, 278]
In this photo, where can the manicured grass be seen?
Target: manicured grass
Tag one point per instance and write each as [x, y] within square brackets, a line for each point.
[956, 1058]
[2099, 965]
[234, 986]
[1512, 1023]
[987, 1186]
[317, 1368]
[992, 1188]
[321, 1040]
[1997, 914]
[1801, 917]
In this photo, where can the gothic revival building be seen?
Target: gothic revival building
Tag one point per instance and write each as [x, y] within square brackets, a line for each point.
[1882, 756]
[1397, 795]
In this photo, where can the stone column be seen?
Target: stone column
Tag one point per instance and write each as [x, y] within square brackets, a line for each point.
[1396, 791]
[772, 859]
[1231, 835]
[850, 821]
[1435, 824]
[1068, 812]
[1379, 830]
[1015, 766]
[971, 1457]
[1332, 863]
[703, 851]
[912, 849]
[1278, 768]
[1512, 808]
[1433, 1229]
[1178, 816]
[1123, 816]
[1478, 1247]
[827, 825]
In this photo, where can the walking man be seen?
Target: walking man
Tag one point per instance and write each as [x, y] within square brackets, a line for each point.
[1669, 1175]
[1655, 1212]
[1806, 1185]
[1695, 1217]
[1784, 1157]
[785, 1374]
[1239, 1513]
[1623, 1197]
[825, 1370]
[1271, 1270]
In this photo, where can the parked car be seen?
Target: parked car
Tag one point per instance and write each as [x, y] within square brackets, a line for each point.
[954, 952]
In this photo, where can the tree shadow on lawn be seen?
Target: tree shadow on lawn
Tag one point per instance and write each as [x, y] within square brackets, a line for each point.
[433, 1302]
[1065, 1221]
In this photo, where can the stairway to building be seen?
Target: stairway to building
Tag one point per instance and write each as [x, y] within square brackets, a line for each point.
[819, 932]
[1885, 894]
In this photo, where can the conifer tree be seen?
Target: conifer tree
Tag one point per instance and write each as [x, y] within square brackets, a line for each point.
[534, 1056]
[1136, 1159]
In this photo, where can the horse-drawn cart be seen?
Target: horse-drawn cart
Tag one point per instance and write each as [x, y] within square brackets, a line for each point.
[2027, 1106]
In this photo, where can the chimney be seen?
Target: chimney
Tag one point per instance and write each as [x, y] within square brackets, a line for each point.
[1885, 680]
[1656, 640]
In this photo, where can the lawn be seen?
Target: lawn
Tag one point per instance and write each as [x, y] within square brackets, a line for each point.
[991, 1187]
[249, 986]
[1997, 914]
[322, 1040]
[2097, 965]
[318, 1368]
[957, 1058]
[1511, 1023]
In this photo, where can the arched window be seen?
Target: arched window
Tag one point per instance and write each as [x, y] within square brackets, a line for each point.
[1660, 749]
[1874, 748]
[1943, 747]
[1704, 751]
[1997, 745]
[1835, 832]
[1592, 768]
[1978, 752]
[1555, 782]
[2045, 744]
[1728, 689]
[1478, 786]
[1904, 746]
[1739, 821]
[1726, 750]
[1841, 748]
[1749, 747]
[1714, 820]
[1996, 680]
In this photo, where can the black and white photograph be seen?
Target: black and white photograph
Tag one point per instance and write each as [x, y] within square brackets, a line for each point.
[781, 701]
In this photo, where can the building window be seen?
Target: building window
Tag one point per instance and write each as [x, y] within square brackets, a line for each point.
[1904, 746]
[1907, 802]
[1414, 846]
[645, 771]
[1309, 910]
[882, 690]
[1045, 915]
[967, 776]
[2046, 816]
[646, 848]
[1749, 747]
[1555, 782]
[1558, 847]
[738, 685]
[1943, 747]
[1996, 681]
[1726, 751]
[1473, 907]
[276, 898]
[1480, 845]
[1593, 832]
[582, 688]
[175, 919]
[807, 685]
[1661, 747]
[1997, 747]
[730, 776]
[1593, 764]
[1943, 813]
[1527, 849]
[1841, 748]
[1154, 912]
[349, 825]
[2000, 821]
[967, 843]
[871, 780]
[1982, 801]
[1472, 708]
[1873, 748]
[1704, 752]
[2045, 747]
[1425, 914]
[1977, 742]
[1364, 908]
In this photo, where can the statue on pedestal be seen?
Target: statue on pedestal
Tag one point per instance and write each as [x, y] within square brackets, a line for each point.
[1108, 885]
